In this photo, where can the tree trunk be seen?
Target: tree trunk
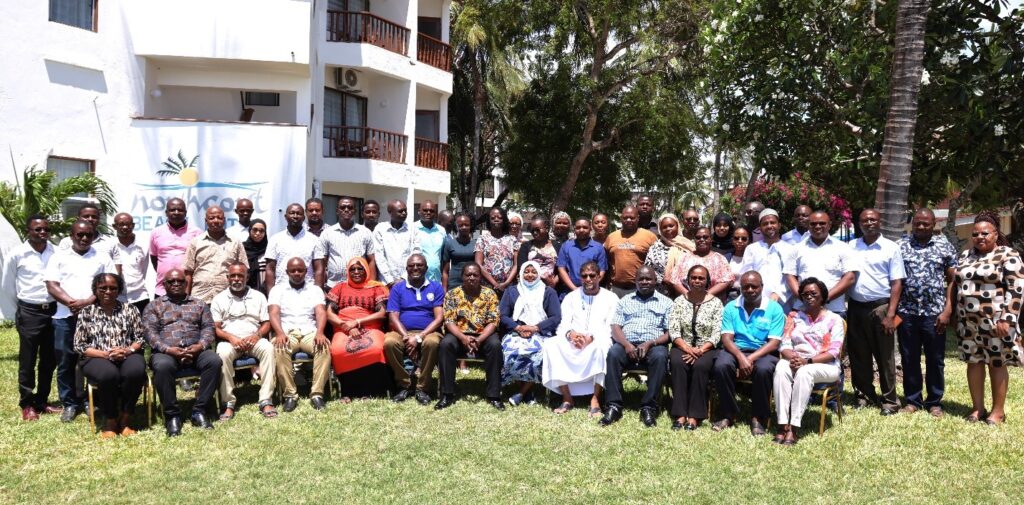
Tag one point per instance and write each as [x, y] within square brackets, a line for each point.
[576, 167]
[754, 172]
[716, 181]
[479, 100]
[898, 146]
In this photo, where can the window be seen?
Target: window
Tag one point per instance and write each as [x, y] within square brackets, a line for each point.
[66, 168]
[262, 98]
[331, 208]
[429, 26]
[349, 5]
[78, 13]
[428, 124]
[344, 109]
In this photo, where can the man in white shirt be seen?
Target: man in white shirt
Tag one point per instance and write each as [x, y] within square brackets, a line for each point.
[394, 242]
[132, 261]
[298, 316]
[240, 230]
[768, 257]
[752, 212]
[241, 321]
[345, 240]
[801, 216]
[23, 276]
[825, 258]
[873, 303]
[294, 242]
[102, 243]
[69, 275]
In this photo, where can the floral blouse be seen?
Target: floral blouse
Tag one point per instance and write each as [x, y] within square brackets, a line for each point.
[718, 267]
[99, 331]
[697, 324]
[499, 254]
[657, 258]
[809, 338]
[471, 316]
[546, 257]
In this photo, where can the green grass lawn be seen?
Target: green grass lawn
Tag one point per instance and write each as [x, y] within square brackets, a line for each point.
[378, 452]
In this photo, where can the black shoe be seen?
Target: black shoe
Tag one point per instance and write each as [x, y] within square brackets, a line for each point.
[677, 425]
[317, 402]
[290, 404]
[69, 414]
[402, 396]
[862, 403]
[649, 417]
[690, 426]
[446, 401]
[611, 415]
[888, 412]
[173, 425]
[199, 420]
[422, 397]
[497, 404]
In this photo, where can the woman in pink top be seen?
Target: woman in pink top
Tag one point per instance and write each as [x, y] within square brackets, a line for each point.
[721, 274]
[810, 349]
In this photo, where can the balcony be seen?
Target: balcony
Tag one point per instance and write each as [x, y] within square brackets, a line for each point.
[431, 154]
[363, 142]
[433, 52]
[366, 28]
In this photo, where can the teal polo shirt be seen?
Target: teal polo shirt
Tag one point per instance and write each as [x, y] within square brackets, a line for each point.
[751, 331]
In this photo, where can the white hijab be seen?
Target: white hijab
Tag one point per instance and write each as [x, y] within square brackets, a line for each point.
[529, 308]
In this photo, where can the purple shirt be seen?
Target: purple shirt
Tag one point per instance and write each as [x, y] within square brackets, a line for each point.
[168, 246]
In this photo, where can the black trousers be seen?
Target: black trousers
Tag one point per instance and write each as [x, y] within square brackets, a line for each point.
[116, 381]
[656, 362]
[451, 350]
[35, 340]
[690, 384]
[762, 379]
[866, 340]
[164, 370]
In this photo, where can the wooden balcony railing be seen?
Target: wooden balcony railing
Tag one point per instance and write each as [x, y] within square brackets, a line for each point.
[433, 52]
[430, 154]
[363, 142]
[366, 28]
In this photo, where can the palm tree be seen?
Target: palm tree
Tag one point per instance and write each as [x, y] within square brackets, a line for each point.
[37, 194]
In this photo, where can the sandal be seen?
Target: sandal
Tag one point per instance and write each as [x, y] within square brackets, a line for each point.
[973, 418]
[721, 425]
[594, 412]
[993, 422]
[563, 408]
[779, 438]
[224, 416]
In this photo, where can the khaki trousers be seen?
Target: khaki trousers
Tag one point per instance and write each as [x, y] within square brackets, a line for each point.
[394, 354]
[298, 341]
[262, 351]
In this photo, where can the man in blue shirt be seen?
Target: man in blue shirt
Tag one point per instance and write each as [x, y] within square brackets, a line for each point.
[575, 253]
[431, 237]
[415, 315]
[752, 328]
[639, 335]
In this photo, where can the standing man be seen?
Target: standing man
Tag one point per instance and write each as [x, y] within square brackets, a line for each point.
[68, 277]
[208, 256]
[929, 262]
[103, 243]
[446, 219]
[578, 252]
[131, 261]
[24, 274]
[168, 243]
[431, 237]
[370, 215]
[691, 221]
[639, 335]
[752, 211]
[345, 240]
[627, 249]
[179, 329]
[769, 257]
[294, 242]
[415, 315]
[393, 243]
[873, 302]
[801, 217]
[645, 211]
[241, 324]
[315, 216]
[825, 258]
[240, 230]
[298, 317]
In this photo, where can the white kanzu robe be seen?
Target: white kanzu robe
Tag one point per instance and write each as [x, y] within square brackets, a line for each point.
[580, 369]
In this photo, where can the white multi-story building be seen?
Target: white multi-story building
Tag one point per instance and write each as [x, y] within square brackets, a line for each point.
[275, 100]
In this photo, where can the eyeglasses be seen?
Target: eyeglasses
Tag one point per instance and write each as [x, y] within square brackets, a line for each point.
[741, 239]
[981, 234]
[587, 276]
[809, 294]
[702, 237]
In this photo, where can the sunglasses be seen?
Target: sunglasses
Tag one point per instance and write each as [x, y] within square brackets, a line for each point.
[980, 234]
[587, 276]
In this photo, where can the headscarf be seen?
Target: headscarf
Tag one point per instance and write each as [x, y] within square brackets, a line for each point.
[529, 308]
[722, 244]
[366, 284]
[255, 250]
[512, 215]
[569, 235]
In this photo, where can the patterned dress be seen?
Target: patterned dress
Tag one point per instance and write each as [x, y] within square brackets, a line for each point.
[990, 289]
[718, 267]
[499, 254]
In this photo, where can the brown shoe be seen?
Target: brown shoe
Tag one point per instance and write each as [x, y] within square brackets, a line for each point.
[127, 431]
[50, 409]
[29, 414]
[936, 411]
[908, 409]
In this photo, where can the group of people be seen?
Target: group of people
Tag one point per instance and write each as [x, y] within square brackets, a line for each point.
[572, 308]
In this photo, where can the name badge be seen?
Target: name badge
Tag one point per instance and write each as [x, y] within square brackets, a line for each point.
[430, 297]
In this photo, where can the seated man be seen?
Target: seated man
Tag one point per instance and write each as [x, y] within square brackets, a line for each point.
[414, 311]
[639, 335]
[242, 324]
[751, 332]
[180, 329]
[298, 316]
[471, 321]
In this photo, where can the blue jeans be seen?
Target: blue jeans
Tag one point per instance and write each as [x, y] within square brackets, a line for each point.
[67, 360]
[917, 333]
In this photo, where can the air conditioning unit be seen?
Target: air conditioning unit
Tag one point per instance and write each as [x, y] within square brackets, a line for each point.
[346, 79]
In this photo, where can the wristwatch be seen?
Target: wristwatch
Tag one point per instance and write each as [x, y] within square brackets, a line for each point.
[419, 339]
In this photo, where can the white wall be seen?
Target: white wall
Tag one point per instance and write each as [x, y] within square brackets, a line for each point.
[218, 104]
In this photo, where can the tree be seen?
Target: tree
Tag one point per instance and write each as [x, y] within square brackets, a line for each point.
[37, 194]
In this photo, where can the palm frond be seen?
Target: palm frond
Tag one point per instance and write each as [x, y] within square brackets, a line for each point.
[168, 172]
[193, 162]
[181, 157]
[171, 165]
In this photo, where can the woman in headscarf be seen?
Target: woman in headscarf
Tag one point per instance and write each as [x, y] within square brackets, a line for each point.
[722, 227]
[356, 310]
[255, 248]
[515, 225]
[530, 312]
[666, 251]
[561, 229]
